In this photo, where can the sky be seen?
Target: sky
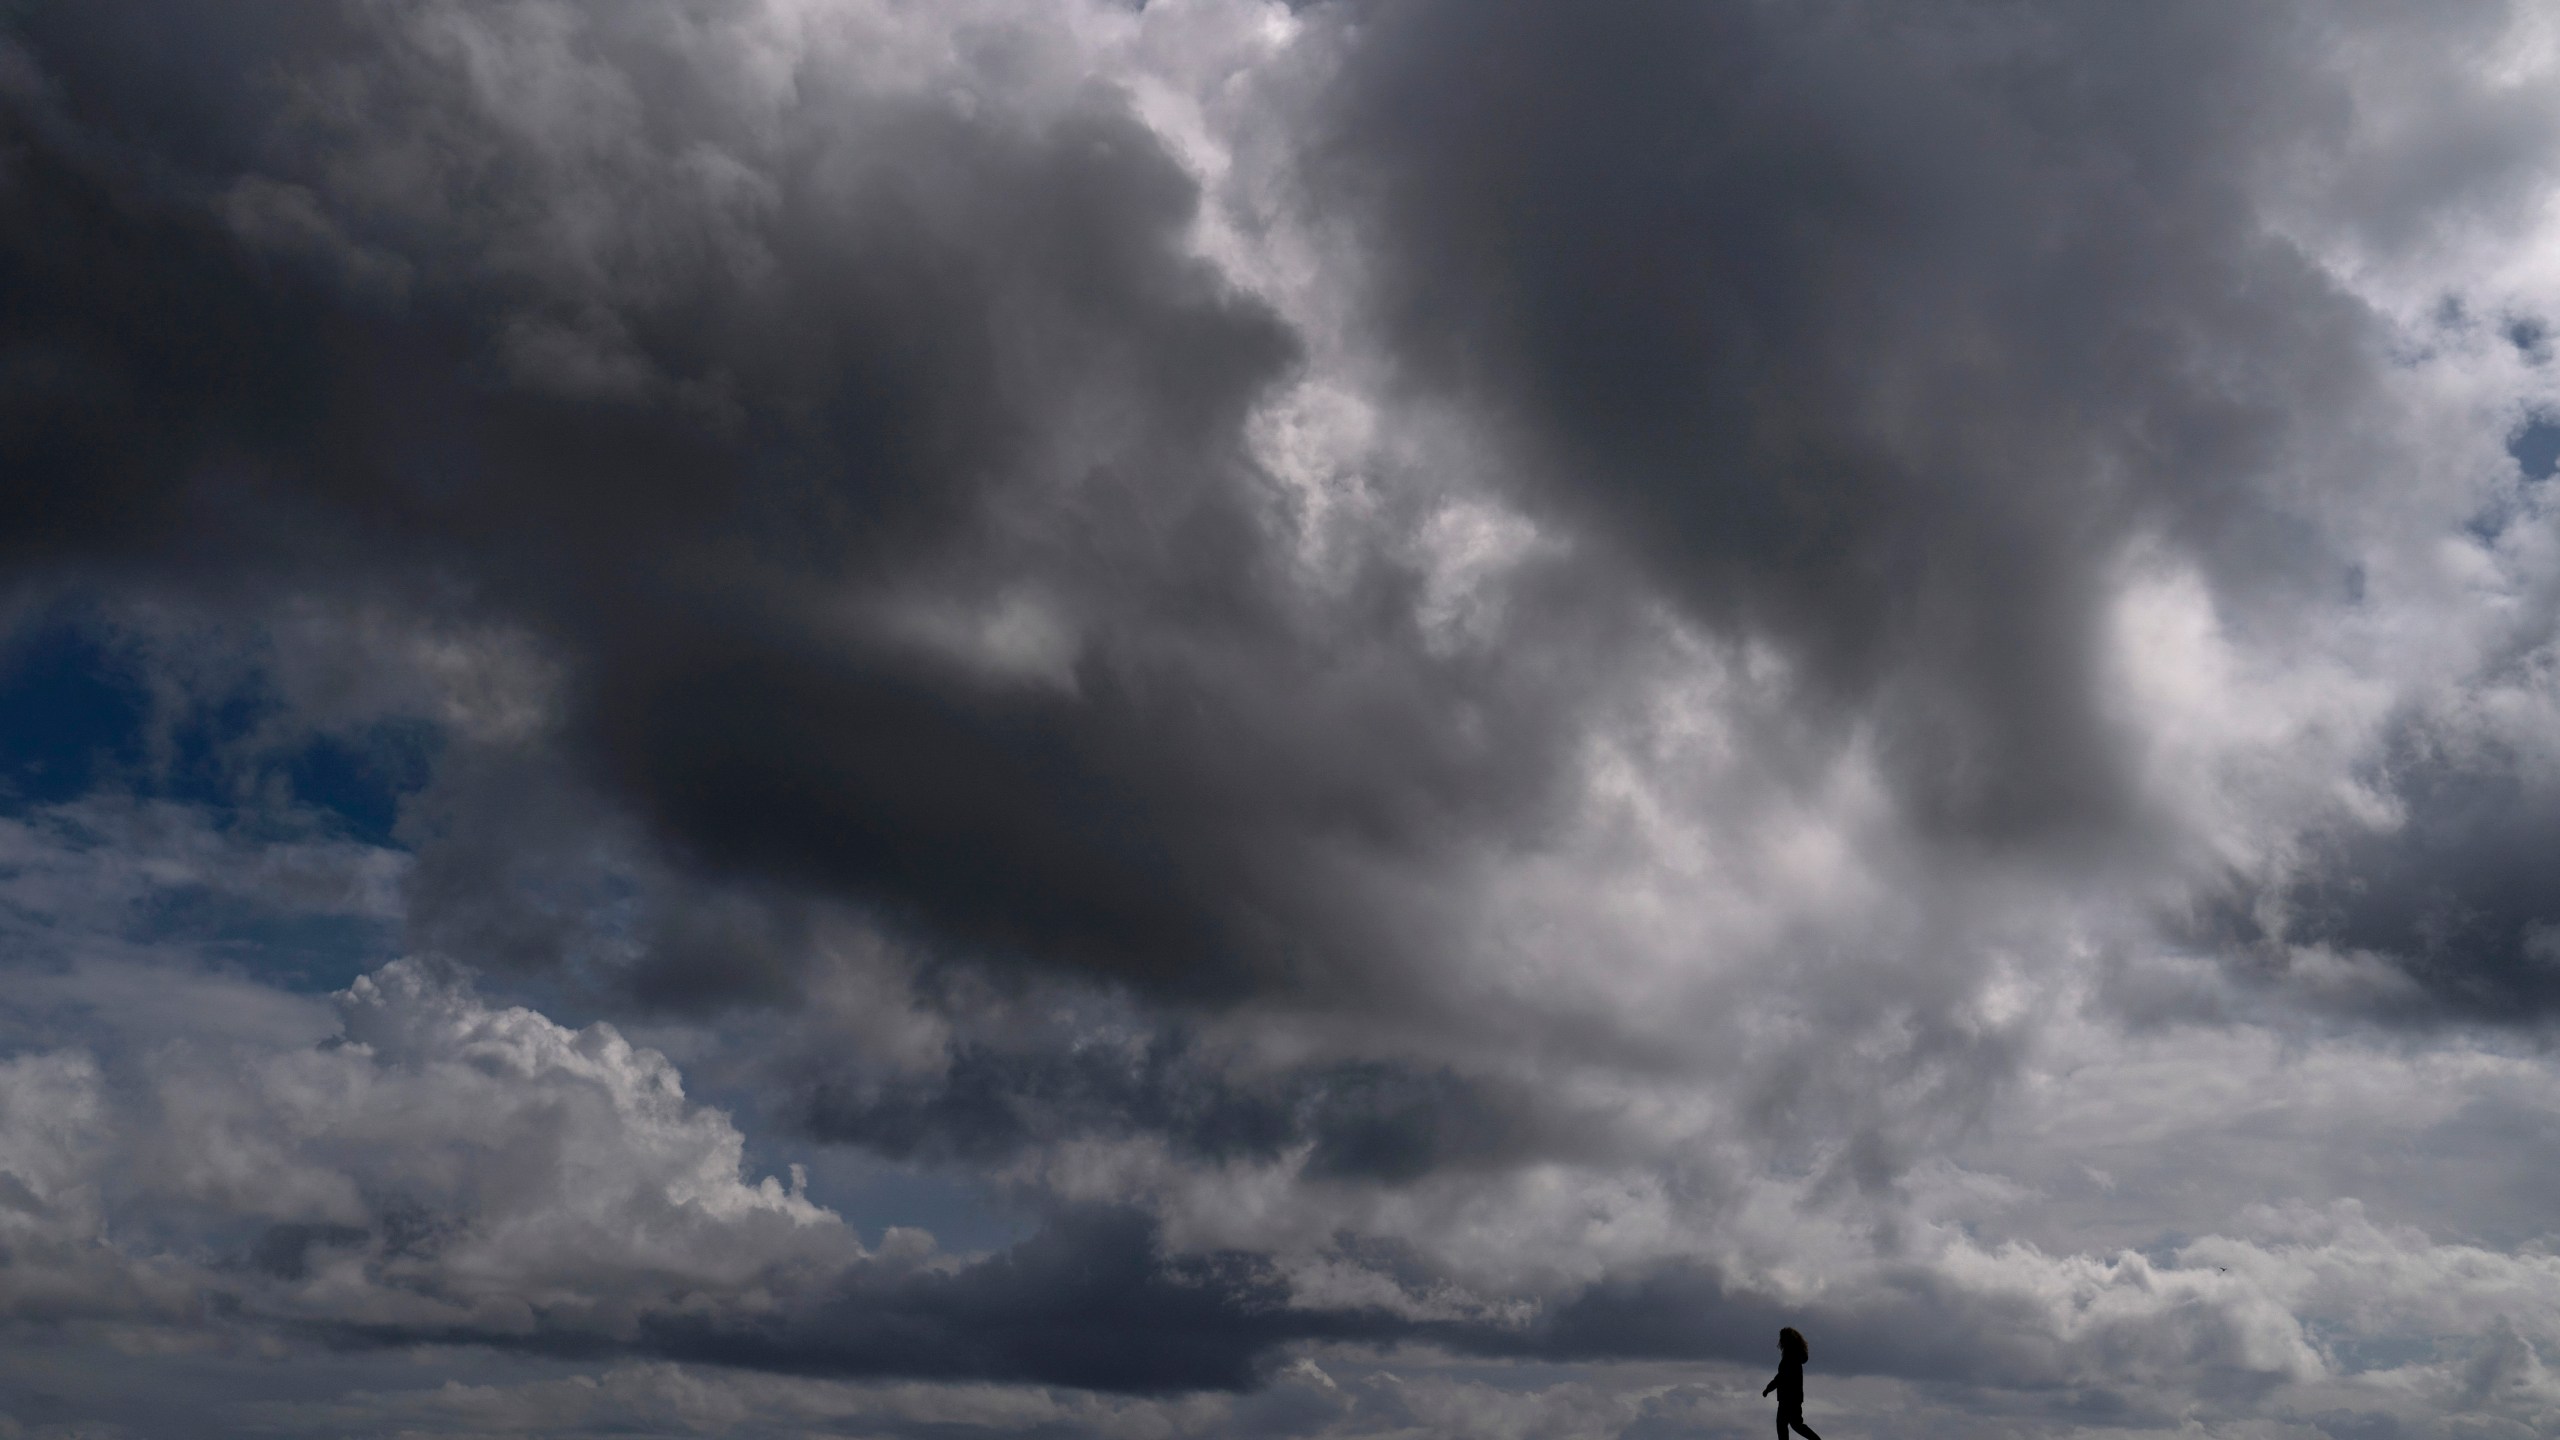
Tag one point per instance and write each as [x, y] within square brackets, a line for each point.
[1128, 721]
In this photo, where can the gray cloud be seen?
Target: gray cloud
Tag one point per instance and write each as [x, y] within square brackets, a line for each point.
[959, 598]
[1878, 333]
[2454, 896]
[1501, 689]
[1353, 1120]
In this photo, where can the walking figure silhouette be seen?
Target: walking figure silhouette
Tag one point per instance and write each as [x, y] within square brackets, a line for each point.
[1789, 1383]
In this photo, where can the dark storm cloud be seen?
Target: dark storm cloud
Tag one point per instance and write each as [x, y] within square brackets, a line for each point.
[1879, 335]
[1914, 1325]
[1909, 1322]
[1877, 331]
[1093, 1301]
[973, 358]
[143, 353]
[1089, 1301]
[2461, 897]
[1369, 1121]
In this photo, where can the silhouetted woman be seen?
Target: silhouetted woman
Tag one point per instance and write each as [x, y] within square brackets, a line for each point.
[1789, 1383]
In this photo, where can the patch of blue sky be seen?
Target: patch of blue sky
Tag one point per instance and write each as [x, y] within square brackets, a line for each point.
[360, 782]
[306, 951]
[155, 882]
[79, 716]
[2357, 1352]
[2535, 445]
[964, 1213]
[72, 715]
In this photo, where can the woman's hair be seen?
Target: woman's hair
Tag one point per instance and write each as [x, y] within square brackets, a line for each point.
[1791, 1344]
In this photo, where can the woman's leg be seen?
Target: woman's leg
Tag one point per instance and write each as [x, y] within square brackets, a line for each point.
[1797, 1420]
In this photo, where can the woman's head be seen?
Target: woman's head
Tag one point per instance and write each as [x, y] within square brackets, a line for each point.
[1791, 1345]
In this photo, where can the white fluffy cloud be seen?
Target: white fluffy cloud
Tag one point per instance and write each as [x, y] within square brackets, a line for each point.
[437, 1164]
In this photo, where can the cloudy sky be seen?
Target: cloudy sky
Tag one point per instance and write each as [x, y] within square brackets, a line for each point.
[955, 718]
